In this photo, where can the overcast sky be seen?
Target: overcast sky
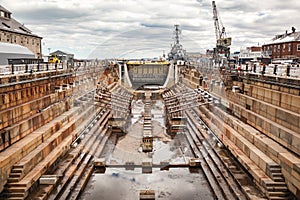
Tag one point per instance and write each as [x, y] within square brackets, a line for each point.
[143, 28]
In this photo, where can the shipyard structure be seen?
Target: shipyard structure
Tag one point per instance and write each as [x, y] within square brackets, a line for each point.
[150, 129]
[60, 125]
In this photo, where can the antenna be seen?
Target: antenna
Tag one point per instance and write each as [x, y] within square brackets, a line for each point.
[177, 33]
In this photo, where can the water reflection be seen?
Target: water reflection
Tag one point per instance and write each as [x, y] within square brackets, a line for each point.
[175, 184]
[171, 183]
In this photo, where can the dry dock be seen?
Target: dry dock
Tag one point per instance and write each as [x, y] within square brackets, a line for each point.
[209, 134]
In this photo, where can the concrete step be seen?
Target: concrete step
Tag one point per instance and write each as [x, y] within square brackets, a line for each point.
[14, 175]
[278, 179]
[275, 184]
[15, 189]
[15, 198]
[278, 194]
[279, 198]
[15, 194]
[277, 175]
[16, 170]
[17, 167]
[275, 170]
[13, 180]
[278, 189]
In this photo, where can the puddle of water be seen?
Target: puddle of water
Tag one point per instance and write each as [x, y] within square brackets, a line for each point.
[165, 151]
[175, 184]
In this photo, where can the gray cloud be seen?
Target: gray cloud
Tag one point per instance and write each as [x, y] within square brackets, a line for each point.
[49, 14]
[133, 27]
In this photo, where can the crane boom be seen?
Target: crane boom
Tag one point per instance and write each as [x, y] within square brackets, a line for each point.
[221, 38]
[222, 41]
[216, 21]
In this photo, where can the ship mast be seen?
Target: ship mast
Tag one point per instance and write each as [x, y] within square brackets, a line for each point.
[177, 33]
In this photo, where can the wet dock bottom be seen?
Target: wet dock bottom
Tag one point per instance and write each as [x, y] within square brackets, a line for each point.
[175, 184]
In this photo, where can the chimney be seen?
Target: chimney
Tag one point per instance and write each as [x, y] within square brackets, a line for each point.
[293, 29]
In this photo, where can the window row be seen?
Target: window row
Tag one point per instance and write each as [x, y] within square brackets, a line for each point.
[19, 40]
[285, 47]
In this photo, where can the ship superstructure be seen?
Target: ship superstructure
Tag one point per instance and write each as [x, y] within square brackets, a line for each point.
[177, 52]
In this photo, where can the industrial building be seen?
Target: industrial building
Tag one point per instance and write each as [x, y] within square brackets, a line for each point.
[14, 32]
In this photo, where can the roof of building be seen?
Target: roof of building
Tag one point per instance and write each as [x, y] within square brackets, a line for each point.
[284, 38]
[4, 9]
[59, 52]
[12, 25]
[14, 48]
[13, 51]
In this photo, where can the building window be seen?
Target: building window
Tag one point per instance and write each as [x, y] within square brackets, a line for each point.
[7, 15]
[15, 39]
[248, 107]
[289, 47]
[8, 38]
[278, 47]
[298, 47]
[7, 26]
[32, 41]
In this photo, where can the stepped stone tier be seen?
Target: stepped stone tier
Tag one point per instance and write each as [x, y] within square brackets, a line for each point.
[259, 123]
[41, 115]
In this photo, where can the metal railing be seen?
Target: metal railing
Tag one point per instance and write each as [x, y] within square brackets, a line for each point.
[45, 66]
[31, 68]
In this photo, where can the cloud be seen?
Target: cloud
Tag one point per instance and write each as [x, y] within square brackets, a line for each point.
[133, 27]
[49, 14]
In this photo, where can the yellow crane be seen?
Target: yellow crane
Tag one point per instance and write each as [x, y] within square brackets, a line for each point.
[54, 59]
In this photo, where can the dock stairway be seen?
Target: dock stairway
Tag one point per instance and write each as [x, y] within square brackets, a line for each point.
[147, 144]
[278, 189]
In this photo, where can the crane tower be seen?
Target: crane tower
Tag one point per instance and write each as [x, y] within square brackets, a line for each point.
[222, 41]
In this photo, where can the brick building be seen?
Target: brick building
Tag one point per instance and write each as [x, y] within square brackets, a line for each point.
[11, 31]
[285, 46]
